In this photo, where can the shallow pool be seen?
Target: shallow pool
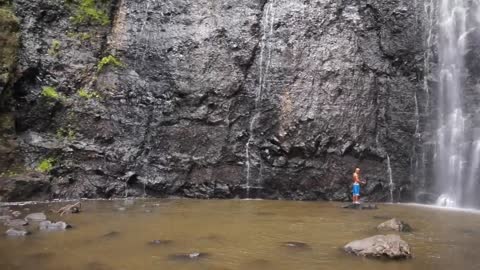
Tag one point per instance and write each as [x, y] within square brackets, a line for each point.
[237, 234]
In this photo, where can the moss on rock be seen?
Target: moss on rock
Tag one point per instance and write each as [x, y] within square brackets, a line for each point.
[9, 31]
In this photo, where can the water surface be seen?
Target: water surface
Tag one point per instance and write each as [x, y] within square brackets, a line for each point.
[238, 234]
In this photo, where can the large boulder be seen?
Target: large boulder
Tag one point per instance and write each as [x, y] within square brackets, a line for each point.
[15, 223]
[380, 246]
[17, 232]
[47, 225]
[394, 225]
[36, 217]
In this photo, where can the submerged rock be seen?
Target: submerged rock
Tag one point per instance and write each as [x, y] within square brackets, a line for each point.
[380, 246]
[188, 256]
[36, 217]
[16, 232]
[360, 206]
[394, 225]
[296, 245]
[16, 223]
[5, 218]
[160, 242]
[111, 234]
[47, 225]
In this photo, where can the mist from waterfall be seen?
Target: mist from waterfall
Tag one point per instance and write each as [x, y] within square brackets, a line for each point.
[456, 148]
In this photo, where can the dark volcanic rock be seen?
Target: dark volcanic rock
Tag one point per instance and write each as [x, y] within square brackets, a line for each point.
[30, 186]
[290, 94]
[394, 225]
[380, 246]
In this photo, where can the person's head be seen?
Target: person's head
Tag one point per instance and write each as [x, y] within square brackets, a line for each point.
[357, 170]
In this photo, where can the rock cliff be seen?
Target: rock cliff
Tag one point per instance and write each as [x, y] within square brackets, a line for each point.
[215, 98]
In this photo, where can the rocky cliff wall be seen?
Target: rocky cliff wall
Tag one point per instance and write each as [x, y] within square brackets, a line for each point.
[211, 98]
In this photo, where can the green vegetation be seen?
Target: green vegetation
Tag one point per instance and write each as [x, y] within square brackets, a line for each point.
[90, 13]
[9, 32]
[46, 165]
[51, 93]
[9, 173]
[83, 93]
[108, 60]
[54, 48]
[66, 133]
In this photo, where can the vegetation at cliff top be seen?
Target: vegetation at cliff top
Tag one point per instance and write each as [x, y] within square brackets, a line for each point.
[83, 93]
[46, 165]
[108, 60]
[50, 92]
[89, 12]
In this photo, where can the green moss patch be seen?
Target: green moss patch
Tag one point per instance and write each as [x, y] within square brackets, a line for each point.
[108, 61]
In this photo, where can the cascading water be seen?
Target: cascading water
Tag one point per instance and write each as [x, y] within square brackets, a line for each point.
[456, 153]
[391, 185]
[263, 71]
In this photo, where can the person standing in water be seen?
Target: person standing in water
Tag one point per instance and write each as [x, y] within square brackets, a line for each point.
[356, 186]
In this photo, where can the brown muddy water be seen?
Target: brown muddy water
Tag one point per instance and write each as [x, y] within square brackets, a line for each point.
[237, 234]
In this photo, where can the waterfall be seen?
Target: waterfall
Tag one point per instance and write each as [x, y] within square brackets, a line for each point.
[456, 154]
[268, 21]
[391, 185]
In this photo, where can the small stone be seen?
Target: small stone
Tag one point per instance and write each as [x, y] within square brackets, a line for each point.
[296, 245]
[47, 225]
[111, 234]
[394, 225]
[160, 242]
[16, 232]
[121, 209]
[16, 213]
[380, 246]
[36, 217]
[16, 223]
[188, 256]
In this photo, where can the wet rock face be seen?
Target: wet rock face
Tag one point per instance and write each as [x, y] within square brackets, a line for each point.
[292, 95]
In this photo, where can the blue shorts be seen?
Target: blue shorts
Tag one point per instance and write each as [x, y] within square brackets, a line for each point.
[356, 190]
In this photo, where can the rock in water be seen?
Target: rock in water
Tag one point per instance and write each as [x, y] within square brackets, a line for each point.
[380, 246]
[360, 206]
[47, 225]
[296, 245]
[17, 232]
[394, 225]
[5, 218]
[160, 242]
[187, 256]
[36, 217]
[16, 223]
